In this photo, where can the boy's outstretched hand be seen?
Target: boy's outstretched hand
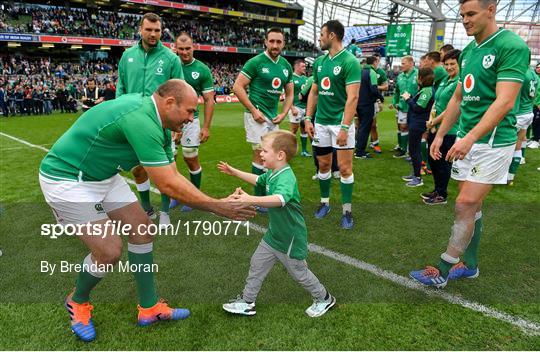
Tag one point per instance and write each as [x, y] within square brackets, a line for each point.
[225, 168]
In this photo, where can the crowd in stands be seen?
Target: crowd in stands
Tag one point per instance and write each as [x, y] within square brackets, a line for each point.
[41, 85]
[81, 22]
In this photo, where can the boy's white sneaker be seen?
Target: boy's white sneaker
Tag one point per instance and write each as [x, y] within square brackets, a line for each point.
[319, 307]
[239, 305]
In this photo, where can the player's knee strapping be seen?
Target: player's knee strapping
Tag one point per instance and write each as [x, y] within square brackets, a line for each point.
[190, 152]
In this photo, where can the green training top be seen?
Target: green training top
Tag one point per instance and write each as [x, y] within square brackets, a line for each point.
[527, 93]
[143, 72]
[440, 73]
[115, 135]
[299, 83]
[268, 79]
[381, 76]
[405, 82]
[287, 231]
[199, 76]
[332, 76]
[442, 96]
[502, 57]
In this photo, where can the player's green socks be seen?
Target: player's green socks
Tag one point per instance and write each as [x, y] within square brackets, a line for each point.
[529, 132]
[470, 257]
[144, 195]
[404, 141]
[346, 186]
[523, 149]
[445, 264]
[423, 146]
[303, 141]
[325, 181]
[516, 160]
[195, 177]
[399, 138]
[88, 278]
[258, 170]
[141, 255]
[165, 202]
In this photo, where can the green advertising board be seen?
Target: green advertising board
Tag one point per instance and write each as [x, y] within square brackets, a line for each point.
[398, 40]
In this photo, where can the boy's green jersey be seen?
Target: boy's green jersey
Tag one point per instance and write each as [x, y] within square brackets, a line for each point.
[287, 231]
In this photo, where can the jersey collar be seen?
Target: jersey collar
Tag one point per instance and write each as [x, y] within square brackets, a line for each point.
[192, 61]
[339, 53]
[157, 112]
[268, 56]
[277, 172]
[488, 39]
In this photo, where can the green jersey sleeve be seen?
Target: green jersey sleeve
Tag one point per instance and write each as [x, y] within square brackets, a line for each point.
[120, 87]
[425, 96]
[262, 179]
[284, 188]
[537, 99]
[373, 77]
[250, 69]
[151, 145]
[513, 63]
[307, 86]
[207, 82]
[382, 79]
[353, 72]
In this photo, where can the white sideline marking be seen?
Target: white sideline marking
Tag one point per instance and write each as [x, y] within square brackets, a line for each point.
[528, 327]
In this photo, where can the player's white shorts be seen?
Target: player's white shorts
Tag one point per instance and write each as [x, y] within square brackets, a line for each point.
[524, 121]
[82, 202]
[255, 130]
[376, 109]
[401, 117]
[298, 118]
[191, 134]
[326, 136]
[484, 164]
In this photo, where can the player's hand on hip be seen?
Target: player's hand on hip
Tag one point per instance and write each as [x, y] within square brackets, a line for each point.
[204, 135]
[435, 148]
[258, 116]
[460, 149]
[341, 139]
[294, 111]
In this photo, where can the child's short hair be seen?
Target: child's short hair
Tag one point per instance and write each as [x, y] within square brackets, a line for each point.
[282, 141]
[426, 76]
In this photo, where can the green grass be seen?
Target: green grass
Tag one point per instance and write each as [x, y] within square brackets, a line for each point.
[394, 231]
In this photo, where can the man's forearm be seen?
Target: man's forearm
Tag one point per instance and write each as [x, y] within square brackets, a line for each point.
[242, 96]
[350, 110]
[449, 116]
[208, 112]
[287, 104]
[311, 103]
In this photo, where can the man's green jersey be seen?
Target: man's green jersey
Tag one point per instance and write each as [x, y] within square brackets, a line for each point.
[502, 57]
[440, 73]
[115, 135]
[381, 76]
[287, 231]
[143, 72]
[537, 100]
[199, 76]
[268, 79]
[442, 97]
[299, 83]
[405, 82]
[332, 76]
[354, 49]
[528, 93]
[307, 87]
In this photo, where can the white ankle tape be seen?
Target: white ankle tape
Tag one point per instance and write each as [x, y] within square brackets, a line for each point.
[141, 248]
[145, 186]
[93, 268]
[449, 259]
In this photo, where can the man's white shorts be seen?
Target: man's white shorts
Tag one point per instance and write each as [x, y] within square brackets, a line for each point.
[255, 130]
[298, 118]
[524, 121]
[376, 109]
[191, 134]
[82, 202]
[401, 117]
[484, 164]
[326, 136]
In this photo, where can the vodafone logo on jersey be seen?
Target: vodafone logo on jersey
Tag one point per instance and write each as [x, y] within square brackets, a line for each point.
[325, 83]
[276, 83]
[468, 83]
